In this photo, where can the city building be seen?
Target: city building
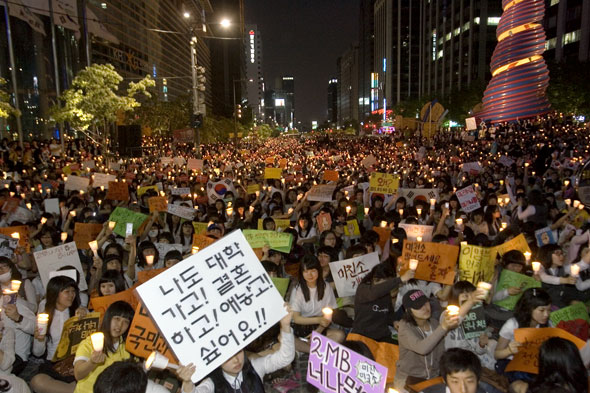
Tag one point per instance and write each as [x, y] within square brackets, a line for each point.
[366, 40]
[567, 26]
[348, 70]
[279, 103]
[254, 75]
[332, 113]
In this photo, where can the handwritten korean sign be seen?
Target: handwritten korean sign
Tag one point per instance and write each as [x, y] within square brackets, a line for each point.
[436, 262]
[348, 274]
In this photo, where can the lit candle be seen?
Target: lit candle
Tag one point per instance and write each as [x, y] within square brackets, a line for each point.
[327, 311]
[452, 310]
[459, 221]
[536, 266]
[506, 201]
[42, 322]
[251, 209]
[432, 202]
[73, 213]
[194, 250]
[229, 211]
[581, 206]
[527, 255]
[568, 201]
[29, 206]
[418, 238]
[97, 341]
[348, 209]
[566, 183]
[401, 212]
[15, 285]
[43, 220]
[94, 247]
[383, 224]
[504, 225]
[484, 286]
[112, 225]
[366, 211]
[413, 264]
[575, 270]
[15, 235]
[149, 260]
[419, 211]
[576, 203]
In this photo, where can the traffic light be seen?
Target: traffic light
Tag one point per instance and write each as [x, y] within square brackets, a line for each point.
[197, 120]
[239, 111]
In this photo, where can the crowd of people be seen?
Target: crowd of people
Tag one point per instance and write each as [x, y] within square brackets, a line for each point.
[524, 176]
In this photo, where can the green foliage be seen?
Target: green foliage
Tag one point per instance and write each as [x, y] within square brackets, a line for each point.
[461, 102]
[6, 109]
[219, 129]
[263, 131]
[569, 89]
[163, 117]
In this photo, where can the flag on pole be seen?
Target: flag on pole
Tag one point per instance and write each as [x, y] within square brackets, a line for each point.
[22, 12]
[65, 12]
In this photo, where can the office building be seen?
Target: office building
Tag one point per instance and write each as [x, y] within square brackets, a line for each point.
[567, 26]
[332, 113]
[366, 40]
[348, 70]
[254, 75]
[279, 103]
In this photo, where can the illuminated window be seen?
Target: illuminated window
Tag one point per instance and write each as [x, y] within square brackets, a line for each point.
[440, 54]
[466, 26]
[493, 21]
[550, 43]
[572, 36]
[279, 102]
[553, 2]
[448, 37]
[457, 31]
[476, 20]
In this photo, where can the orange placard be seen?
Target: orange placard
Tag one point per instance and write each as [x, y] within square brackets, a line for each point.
[526, 359]
[84, 233]
[426, 384]
[384, 235]
[10, 205]
[330, 175]
[146, 275]
[22, 230]
[158, 204]
[269, 160]
[436, 262]
[118, 191]
[384, 353]
[101, 303]
[144, 337]
[202, 241]
[324, 221]
[283, 163]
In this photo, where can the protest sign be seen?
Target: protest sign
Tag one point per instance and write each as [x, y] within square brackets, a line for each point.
[348, 273]
[123, 216]
[436, 261]
[383, 183]
[518, 243]
[51, 205]
[180, 191]
[321, 193]
[54, 258]
[413, 195]
[202, 241]
[217, 310]
[332, 366]
[384, 353]
[184, 135]
[570, 313]
[545, 236]
[273, 173]
[8, 246]
[101, 303]
[194, 164]
[511, 279]
[415, 230]
[279, 223]
[144, 337]
[531, 339]
[188, 213]
[158, 204]
[166, 161]
[476, 264]
[102, 180]
[146, 275]
[23, 232]
[330, 175]
[118, 191]
[472, 168]
[324, 221]
[470, 124]
[468, 199]
[276, 240]
[20, 214]
[474, 322]
[200, 227]
[75, 330]
[369, 161]
[144, 189]
[77, 183]
[506, 161]
[351, 229]
[282, 284]
[84, 233]
[252, 188]
[89, 164]
[384, 236]
[10, 205]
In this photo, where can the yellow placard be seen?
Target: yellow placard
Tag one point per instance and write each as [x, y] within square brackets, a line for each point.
[383, 183]
[476, 264]
[518, 243]
[352, 228]
[279, 223]
[252, 188]
[142, 190]
[273, 173]
[436, 261]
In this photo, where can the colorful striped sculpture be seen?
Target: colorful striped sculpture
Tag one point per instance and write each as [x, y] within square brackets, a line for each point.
[519, 73]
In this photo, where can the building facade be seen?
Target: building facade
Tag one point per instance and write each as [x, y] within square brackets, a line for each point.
[348, 70]
[332, 113]
[366, 41]
[254, 74]
[567, 25]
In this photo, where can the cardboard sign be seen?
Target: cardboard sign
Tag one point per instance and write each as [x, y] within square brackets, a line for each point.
[352, 229]
[208, 314]
[77, 183]
[276, 240]
[468, 199]
[506, 161]
[476, 264]
[474, 322]
[144, 337]
[102, 180]
[252, 188]
[188, 213]
[54, 258]
[369, 161]
[8, 246]
[180, 191]
[546, 236]
[184, 135]
[436, 262]
[279, 223]
[90, 164]
[158, 204]
[383, 183]
[330, 175]
[166, 161]
[321, 193]
[415, 230]
[511, 279]
[413, 195]
[101, 303]
[332, 366]
[324, 221]
[85, 233]
[470, 124]
[518, 243]
[348, 273]
[273, 173]
[51, 205]
[75, 331]
[527, 357]
[144, 189]
[118, 191]
[122, 216]
[202, 241]
[570, 313]
[282, 284]
[194, 164]
[10, 205]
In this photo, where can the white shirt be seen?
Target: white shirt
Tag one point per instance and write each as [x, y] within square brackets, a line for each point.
[23, 330]
[55, 330]
[313, 307]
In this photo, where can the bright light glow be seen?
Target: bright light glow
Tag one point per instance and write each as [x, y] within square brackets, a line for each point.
[517, 29]
[279, 102]
[186, 14]
[516, 64]
[225, 23]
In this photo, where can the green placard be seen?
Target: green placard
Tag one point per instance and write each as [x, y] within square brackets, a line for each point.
[510, 279]
[122, 216]
[282, 284]
[570, 313]
[276, 240]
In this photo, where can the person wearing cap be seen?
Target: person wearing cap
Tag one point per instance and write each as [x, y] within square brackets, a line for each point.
[421, 340]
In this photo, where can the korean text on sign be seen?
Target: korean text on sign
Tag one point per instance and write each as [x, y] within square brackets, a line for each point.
[214, 303]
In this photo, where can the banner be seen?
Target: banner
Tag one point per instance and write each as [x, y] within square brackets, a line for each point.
[347, 274]
[144, 337]
[77, 183]
[333, 368]
[102, 180]
[273, 173]
[123, 216]
[118, 191]
[570, 313]
[22, 12]
[415, 230]
[474, 322]
[75, 331]
[276, 240]
[436, 261]
[477, 263]
[208, 314]
[468, 199]
[101, 303]
[321, 193]
[383, 183]
[509, 279]
[85, 233]
[188, 213]
[54, 258]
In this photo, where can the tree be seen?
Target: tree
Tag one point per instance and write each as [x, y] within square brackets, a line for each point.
[569, 89]
[92, 101]
[163, 117]
[263, 131]
[6, 109]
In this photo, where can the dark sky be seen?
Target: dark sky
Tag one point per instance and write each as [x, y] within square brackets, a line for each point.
[304, 38]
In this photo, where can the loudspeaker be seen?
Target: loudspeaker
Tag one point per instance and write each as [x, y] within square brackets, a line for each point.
[129, 140]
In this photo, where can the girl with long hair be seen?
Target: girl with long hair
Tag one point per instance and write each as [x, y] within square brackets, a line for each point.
[556, 276]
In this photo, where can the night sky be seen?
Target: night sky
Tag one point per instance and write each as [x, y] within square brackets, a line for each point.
[304, 38]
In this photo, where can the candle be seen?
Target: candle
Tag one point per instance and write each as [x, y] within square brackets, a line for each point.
[194, 250]
[459, 221]
[43, 220]
[566, 183]
[229, 211]
[418, 238]
[97, 341]
[463, 243]
[348, 209]
[506, 201]
[419, 211]
[576, 203]
[392, 390]
[94, 247]
[452, 310]
[73, 213]
[149, 260]
[581, 206]
[29, 206]
[112, 225]
[15, 235]
[432, 202]
[413, 264]
[575, 270]
[383, 224]
[15, 285]
[42, 322]
[568, 201]
[64, 236]
[11, 295]
[327, 311]
[251, 209]
[527, 255]
[503, 225]
[366, 211]
[484, 286]
[536, 266]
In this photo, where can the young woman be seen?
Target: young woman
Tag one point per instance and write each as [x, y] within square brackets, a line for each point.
[420, 337]
[307, 233]
[88, 363]
[61, 304]
[311, 295]
[110, 283]
[186, 236]
[556, 277]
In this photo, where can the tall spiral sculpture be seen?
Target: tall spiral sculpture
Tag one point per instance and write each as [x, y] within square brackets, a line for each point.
[519, 73]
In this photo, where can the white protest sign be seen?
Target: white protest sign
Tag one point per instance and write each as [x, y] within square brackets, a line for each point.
[194, 164]
[207, 314]
[187, 213]
[178, 161]
[7, 246]
[546, 236]
[414, 230]
[180, 191]
[369, 161]
[468, 199]
[102, 180]
[77, 183]
[55, 258]
[506, 161]
[414, 194]
[348, 274]
[52, 206]
[20, 214]
[321, 193]
[71, 273]
[90, 164]
[470, 124]
[115, 166]
[472, 167]
[166, 161]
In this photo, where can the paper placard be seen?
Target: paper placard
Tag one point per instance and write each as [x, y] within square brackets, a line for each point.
[383, 183]
[546, 236]
[470, 124]
[90, 164]
[477, 264]
[331, 366]
[144, 189]
[158, 204]
[369, 161]
[570, 313]
[436, 261]
[118, 191]
[75, 330]
[474, 322]
[102, 180]
[146, 275]
[8, 246]
[506, 161]
[55, 258]
[180, 191]
[282, 284]
[472, 168]
[85, 233]
[101, 303]
[321, 193]
[188, 213]
[200, 227]
[215, 329]
[71, 273]
[166, 161]
[511, 279]
[330, 175]
[279, 223]
[276, 240]
[348, 273]
[144, 337]
[23, 232]
[517, 243]
[415, 230]
[51, 205]
[324, 221]
[273, 173]
[202, 241]
[468, 199]
[351, 229]
[122, 216]
[77, 183]
[194, 164]
[252, 188]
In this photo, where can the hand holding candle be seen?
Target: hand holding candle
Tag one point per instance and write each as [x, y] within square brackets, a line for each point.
[575, 270]
[42, 322]
[94, 247]
[327, 313]
[149, 259]
[413, 264]
[536, 266]
[97, 341]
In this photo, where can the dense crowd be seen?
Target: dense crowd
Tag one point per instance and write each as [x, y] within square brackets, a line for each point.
[524, 177]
